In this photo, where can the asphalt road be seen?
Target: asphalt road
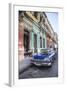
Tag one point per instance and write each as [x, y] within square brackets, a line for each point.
[40, 72]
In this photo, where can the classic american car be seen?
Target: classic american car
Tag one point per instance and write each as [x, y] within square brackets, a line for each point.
[44, 58]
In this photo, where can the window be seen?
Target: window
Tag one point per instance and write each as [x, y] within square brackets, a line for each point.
[35, 41]
[43, 43]
[35, 14]
[26, 40]
[40, 42]
[44, 20]
[40, 18]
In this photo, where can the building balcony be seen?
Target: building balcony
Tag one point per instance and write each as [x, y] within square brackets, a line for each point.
[31, 16]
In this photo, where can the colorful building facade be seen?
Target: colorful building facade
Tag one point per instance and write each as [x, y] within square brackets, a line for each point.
[34, 32]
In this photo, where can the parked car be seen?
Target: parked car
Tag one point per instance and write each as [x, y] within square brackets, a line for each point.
[44, 58]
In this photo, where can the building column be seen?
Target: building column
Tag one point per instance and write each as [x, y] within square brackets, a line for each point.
[32, 40]
[45, 40]
[21, 41]
[38, 42]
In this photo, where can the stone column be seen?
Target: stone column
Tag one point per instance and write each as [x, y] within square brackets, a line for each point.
[38, 41]
[21, 41]
[32, 40]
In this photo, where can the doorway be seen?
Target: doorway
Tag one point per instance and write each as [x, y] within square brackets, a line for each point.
[26, 40]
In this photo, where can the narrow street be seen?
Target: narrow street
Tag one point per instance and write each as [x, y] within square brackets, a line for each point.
[41, 72]
[36, 33]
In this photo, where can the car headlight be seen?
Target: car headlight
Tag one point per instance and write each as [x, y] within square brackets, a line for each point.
[46, 59]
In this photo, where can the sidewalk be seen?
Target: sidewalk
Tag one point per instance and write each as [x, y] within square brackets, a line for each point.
[24, 64]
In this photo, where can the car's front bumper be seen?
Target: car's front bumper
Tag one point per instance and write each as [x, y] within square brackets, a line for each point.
[37, 63]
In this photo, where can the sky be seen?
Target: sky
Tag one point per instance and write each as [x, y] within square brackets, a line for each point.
[53, 19]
